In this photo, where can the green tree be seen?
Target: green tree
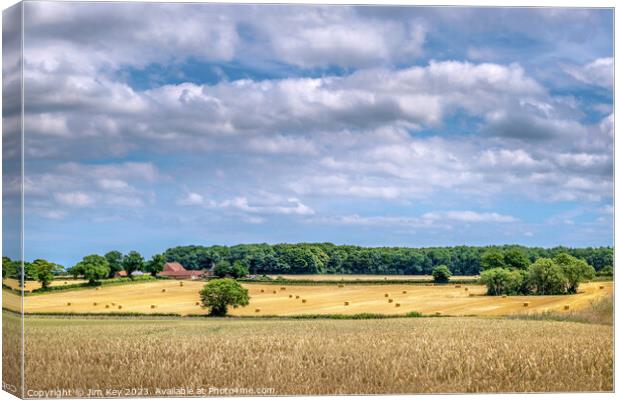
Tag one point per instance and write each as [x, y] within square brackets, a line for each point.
[133, 262]
[497, 280]
[606, 271]
[441, 274]
[10, 268]
[43, 271]
[235, 270]
[547, 277]
[155, 265]
[218, 294]
[575, 271]
[492, 258]
[93, 267]
[115, 261]
[515, 258]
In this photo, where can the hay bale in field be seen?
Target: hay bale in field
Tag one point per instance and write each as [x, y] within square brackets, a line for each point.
[346, 303]
[257, 310]
[290, 296]
[404, 292]
[387, 295]
[153, 306]
[390, 300]
[180, 283]
[274, 292]
[526, 304]
[601, 287]
[296, 297]
[163, 290]
[68, 304]
[504, 296]
[113, 304]
[341, 285]
[107, 306]
[119, 306]
[66, 282]
[282, 288]
[95, 303]
[197, 303]
[303, 300]
[466, 289]
[97, 288]
[457, 286]
[438, 313]
[471, 295]
[397, 304]
[566, 307]
[262, 290]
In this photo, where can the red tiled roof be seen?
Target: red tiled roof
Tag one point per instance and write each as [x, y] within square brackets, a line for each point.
[173, 267]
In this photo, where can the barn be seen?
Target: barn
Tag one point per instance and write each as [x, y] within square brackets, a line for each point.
[175, 270]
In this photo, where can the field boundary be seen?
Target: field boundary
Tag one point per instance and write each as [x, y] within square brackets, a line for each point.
[309, 282]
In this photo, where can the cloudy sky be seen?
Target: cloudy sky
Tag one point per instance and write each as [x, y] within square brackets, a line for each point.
[155, 125]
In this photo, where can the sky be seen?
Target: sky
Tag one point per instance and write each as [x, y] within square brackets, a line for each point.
[155, 125]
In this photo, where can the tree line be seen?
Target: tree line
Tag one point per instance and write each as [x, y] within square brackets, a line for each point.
[327, 258]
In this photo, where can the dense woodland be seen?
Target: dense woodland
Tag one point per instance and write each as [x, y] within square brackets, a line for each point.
[327, 258]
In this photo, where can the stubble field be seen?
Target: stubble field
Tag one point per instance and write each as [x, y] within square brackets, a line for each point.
[439, 355]
[167, 296]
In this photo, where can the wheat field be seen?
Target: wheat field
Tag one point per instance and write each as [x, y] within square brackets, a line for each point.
[415, 355]
[167, 296]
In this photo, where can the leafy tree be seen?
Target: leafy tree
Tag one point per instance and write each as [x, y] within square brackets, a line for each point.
[492, 258]
[10, 268]
[43, 272]
[235, 270]
[115, 261]
[155, 265]
[497, 280]
[218, 294]
[441, 274]
[575, 271]
[515, 258]
[606, 271]
[547, 277]
[92, 267]
[133, 262]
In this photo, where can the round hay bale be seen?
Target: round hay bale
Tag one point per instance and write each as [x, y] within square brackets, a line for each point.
[180, 283]
[153, 306]
[274, 292]
[257, 310]
[197, 303]
[113, 304]
[282, 288]
[107, 306]
[341, 285]
[303, 300]
[66, 282]
[163, 290]
[504, 296]
[466, 289]
[95, 303]
[262, 290]
[390, 300]
[296, 297]
[387, 295]
[119, 306]
[457, 286]
[346, 303]
[404, 292]
[566, 307]
[68, 304]
[601, 287]
[438, 313]
[290, 296]
[397, 304]
[97, 288]
[526, 304]
[471, 295]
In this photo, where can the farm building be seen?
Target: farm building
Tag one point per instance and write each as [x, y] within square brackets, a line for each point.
[175, 270]
[123, 274]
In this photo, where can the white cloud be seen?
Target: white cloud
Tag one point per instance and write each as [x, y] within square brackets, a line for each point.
[599, 72]
[191, 199]
[468, 216]
[75, 199]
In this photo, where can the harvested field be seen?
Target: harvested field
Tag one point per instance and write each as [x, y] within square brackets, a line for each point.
[328, 299]
[290, 357]
[367, 277]
[32, 285]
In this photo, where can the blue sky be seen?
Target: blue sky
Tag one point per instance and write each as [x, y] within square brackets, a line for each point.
[155, 125]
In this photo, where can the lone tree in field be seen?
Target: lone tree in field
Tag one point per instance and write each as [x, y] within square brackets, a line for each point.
[441, 274]
[155, 265]
[133, 262]
[93, 267]
[43, 271]
[218, 294]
